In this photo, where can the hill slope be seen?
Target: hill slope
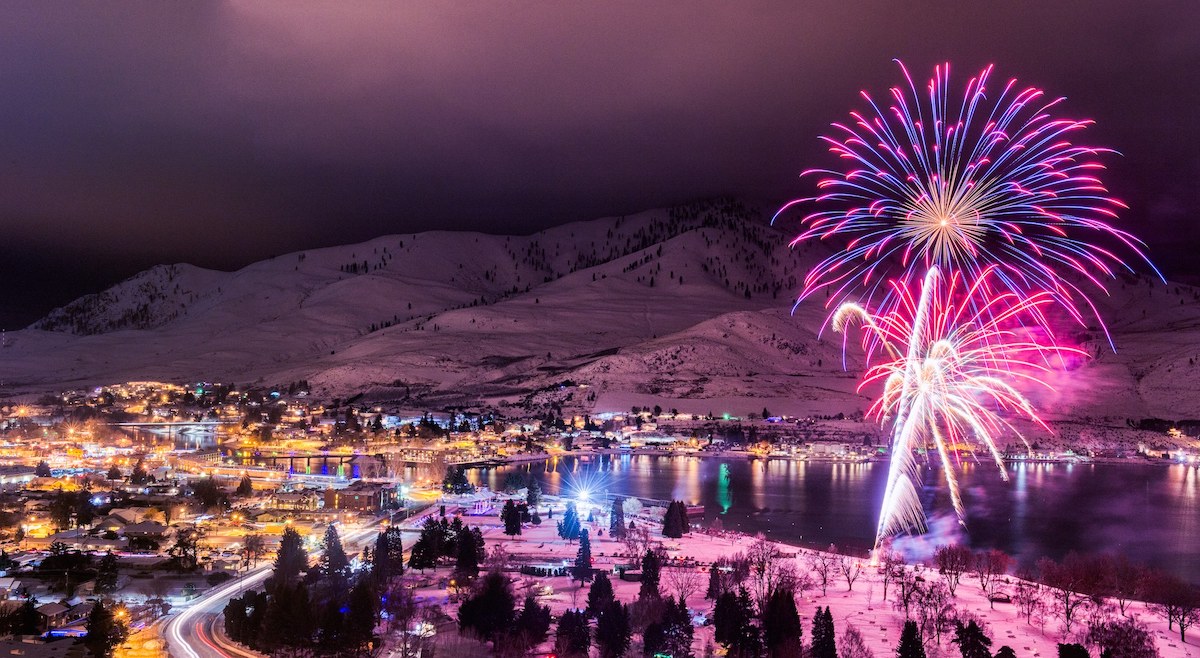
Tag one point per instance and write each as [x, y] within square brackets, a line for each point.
[690, 306]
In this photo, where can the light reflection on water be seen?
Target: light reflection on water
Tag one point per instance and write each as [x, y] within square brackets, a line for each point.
[1148, 512]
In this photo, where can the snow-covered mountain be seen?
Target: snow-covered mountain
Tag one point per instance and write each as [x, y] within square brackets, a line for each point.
[687, 307]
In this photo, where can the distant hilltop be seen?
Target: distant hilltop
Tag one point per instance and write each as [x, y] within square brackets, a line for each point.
[690, 306]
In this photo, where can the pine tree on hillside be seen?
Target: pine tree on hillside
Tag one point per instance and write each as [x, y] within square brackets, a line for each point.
[533, 622]
[582, 570]
[511, 518]
[290, 560]
[104, 631]
[533, 494]
[613, 632]
[672, 635]
[491, 611]
[651, 583]
[573, 638]
[333, 562]
[466, 564]
[911, 645]
[569, 526]
[672, 524]
[106, 574]
[782, 630]
[616, 519]
[971, 641]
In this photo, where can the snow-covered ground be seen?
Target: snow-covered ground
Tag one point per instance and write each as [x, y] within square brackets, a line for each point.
[863, 606]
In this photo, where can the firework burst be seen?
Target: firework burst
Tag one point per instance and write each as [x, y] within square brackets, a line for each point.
[989, 181]
[952, 350]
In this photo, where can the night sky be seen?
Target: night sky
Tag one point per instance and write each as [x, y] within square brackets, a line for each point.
[219, 134]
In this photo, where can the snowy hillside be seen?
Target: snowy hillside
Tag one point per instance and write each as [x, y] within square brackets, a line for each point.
[689, 306]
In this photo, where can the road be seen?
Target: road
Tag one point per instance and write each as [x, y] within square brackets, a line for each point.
[195, 632]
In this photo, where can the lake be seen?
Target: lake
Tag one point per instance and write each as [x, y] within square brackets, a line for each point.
[1149, 512]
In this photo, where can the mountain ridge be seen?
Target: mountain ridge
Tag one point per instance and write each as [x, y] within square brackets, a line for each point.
[689, 305]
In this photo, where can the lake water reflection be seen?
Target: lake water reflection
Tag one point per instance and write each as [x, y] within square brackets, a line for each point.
[1149, 512]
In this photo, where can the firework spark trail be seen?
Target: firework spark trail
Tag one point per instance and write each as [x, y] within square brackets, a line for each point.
[950, 354]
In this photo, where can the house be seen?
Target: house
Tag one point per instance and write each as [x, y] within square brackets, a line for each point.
[147, 530]
[361, 497]
[52, 615]
[299, 500]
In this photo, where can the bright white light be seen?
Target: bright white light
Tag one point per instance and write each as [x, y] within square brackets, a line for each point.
[584, 495]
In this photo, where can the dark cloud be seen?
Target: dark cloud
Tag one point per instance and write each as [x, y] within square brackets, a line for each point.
[136, 133]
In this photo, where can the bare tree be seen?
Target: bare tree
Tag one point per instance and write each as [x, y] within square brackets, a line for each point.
[907, 588]
[891, 563]
[497, 558]
[685, 581]
[936, 610]
[952, 562]
[1028, 598]
[822, 565]
[1124, 581]
[989, 566]
[763, 557]
[1176, 601]
[1072, 583]
[853, 645]
[850, 568]
[637, 541]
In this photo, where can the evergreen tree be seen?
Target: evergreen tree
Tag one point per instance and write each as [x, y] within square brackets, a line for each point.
[599, 594]
[300, 622]
[824, 643]
[429, 546]
[971, 641]
[291, 559]
[911, 645]
[582, 571]
[613, 632]
[616, 519]
[675, 521]
[715, 586]
[361, 614]
[733, 624]
[381, 560]
[533, 494]
[139, 475]
[781, 624]
[114, 473]
[26, 620]
[573, 638]
[104, 631]
[106, 574]
[334, 563]
[42, 470]
[533, 623]
[672, 636]
[569, 526]
[651, 588]
[511, 518]
[456, 481]
[466, 566]
[1072, 651]
[491, 610]
[331, 626]
[1006, 652]
[245, 487]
